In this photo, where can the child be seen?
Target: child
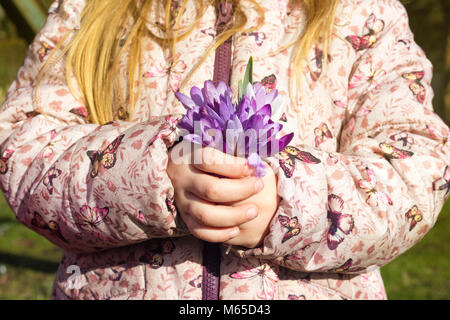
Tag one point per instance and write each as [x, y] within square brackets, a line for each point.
[87, 130]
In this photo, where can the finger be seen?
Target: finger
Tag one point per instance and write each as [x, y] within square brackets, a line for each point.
[219, 216]
[209, 234]
[214, 161]
[222, 190]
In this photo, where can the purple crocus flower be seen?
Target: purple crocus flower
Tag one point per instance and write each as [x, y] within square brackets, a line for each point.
[243, 129]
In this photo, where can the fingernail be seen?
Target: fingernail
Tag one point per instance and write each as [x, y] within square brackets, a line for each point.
[259, 185]
[234, 232]
[252, 213]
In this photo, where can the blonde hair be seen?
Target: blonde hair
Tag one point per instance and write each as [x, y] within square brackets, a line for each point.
[93, 54]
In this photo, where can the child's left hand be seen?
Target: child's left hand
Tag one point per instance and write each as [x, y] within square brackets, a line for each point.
[252, 233]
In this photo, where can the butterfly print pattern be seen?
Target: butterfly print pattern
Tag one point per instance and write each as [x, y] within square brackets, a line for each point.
[267, 276]
[367, 76]
[347, 267]
[51, 226]
[81, 112]
[44, 50]
[92, 217]
[175, 70]
[140, 216]
[374, 197]
[372, 27]
[316, 64]
[171, 123]
[48, 152]
[391, 152]
[443, 183]
[296, 297]
[288, 156]
[104, 159]
[341, 224]
[415, 85]
[258, 36]
[269, 82]
[52, 174]
[170, 202]
[404, 138]
[196, 282]
[414, 216]
[292, 225]
[320, 133]
[155, 257]
[4, 160]
[405, 42]
[121, 114]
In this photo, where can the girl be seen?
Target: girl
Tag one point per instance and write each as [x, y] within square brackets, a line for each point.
[87, 129]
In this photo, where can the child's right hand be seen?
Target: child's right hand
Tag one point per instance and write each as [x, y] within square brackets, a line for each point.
[203, 199]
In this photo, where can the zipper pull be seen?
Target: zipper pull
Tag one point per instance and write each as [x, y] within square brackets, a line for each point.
[224, 14]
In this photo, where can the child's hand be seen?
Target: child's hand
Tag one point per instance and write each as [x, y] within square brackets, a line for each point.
[252, 233]
[203, 198]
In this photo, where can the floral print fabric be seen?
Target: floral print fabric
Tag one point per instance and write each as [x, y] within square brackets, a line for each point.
[363, 180]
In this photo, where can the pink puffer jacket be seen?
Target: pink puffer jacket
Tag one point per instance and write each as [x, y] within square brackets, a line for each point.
[364, 179]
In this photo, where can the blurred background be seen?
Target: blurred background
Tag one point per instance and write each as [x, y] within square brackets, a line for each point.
[28, 262]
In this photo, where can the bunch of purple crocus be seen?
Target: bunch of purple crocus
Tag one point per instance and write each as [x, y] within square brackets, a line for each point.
[243, 129]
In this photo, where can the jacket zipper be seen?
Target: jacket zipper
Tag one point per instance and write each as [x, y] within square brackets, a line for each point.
[222, 71]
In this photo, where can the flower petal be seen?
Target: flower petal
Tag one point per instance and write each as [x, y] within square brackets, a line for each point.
[278, 107]
[265, 111]
[197, 96]
[185, 100]
[255, 161]
[284, 141]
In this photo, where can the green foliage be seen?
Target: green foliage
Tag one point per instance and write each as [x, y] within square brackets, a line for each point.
[45, 3]
[2, 94]
[12, 54]
[248, 79]
[7, 28]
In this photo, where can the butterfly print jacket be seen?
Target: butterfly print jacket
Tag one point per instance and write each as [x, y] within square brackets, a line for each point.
[363, 180]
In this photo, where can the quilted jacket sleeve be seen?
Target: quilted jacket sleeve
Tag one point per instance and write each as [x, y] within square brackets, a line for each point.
[85, 187]
[360, 207]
